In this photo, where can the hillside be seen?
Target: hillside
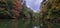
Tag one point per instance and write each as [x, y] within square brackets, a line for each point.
[50, 11]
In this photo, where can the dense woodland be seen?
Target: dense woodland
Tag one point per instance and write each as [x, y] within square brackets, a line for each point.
[15, 14]
[50, 11]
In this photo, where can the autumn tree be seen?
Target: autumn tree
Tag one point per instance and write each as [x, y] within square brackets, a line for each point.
[50, 10]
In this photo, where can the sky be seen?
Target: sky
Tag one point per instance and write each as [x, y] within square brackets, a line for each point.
[33, 4]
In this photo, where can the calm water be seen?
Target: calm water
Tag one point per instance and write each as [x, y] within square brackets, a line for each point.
[36, 27]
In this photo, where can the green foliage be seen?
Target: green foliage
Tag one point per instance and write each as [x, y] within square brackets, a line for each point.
[5, 8]
[52, 13]
[57, 1]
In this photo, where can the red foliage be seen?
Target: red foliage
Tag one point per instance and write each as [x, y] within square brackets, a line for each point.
[17, 7]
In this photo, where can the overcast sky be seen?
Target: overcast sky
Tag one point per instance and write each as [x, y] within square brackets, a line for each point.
[33, 4]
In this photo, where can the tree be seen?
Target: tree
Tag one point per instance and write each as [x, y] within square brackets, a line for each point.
[10, 9]
[51, 13]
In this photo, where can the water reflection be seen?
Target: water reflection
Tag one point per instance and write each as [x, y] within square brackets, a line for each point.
[36, 27]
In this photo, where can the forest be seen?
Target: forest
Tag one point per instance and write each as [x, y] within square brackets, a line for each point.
[15, 14]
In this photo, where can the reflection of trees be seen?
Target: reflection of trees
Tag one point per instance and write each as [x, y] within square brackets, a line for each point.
[6, 10]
